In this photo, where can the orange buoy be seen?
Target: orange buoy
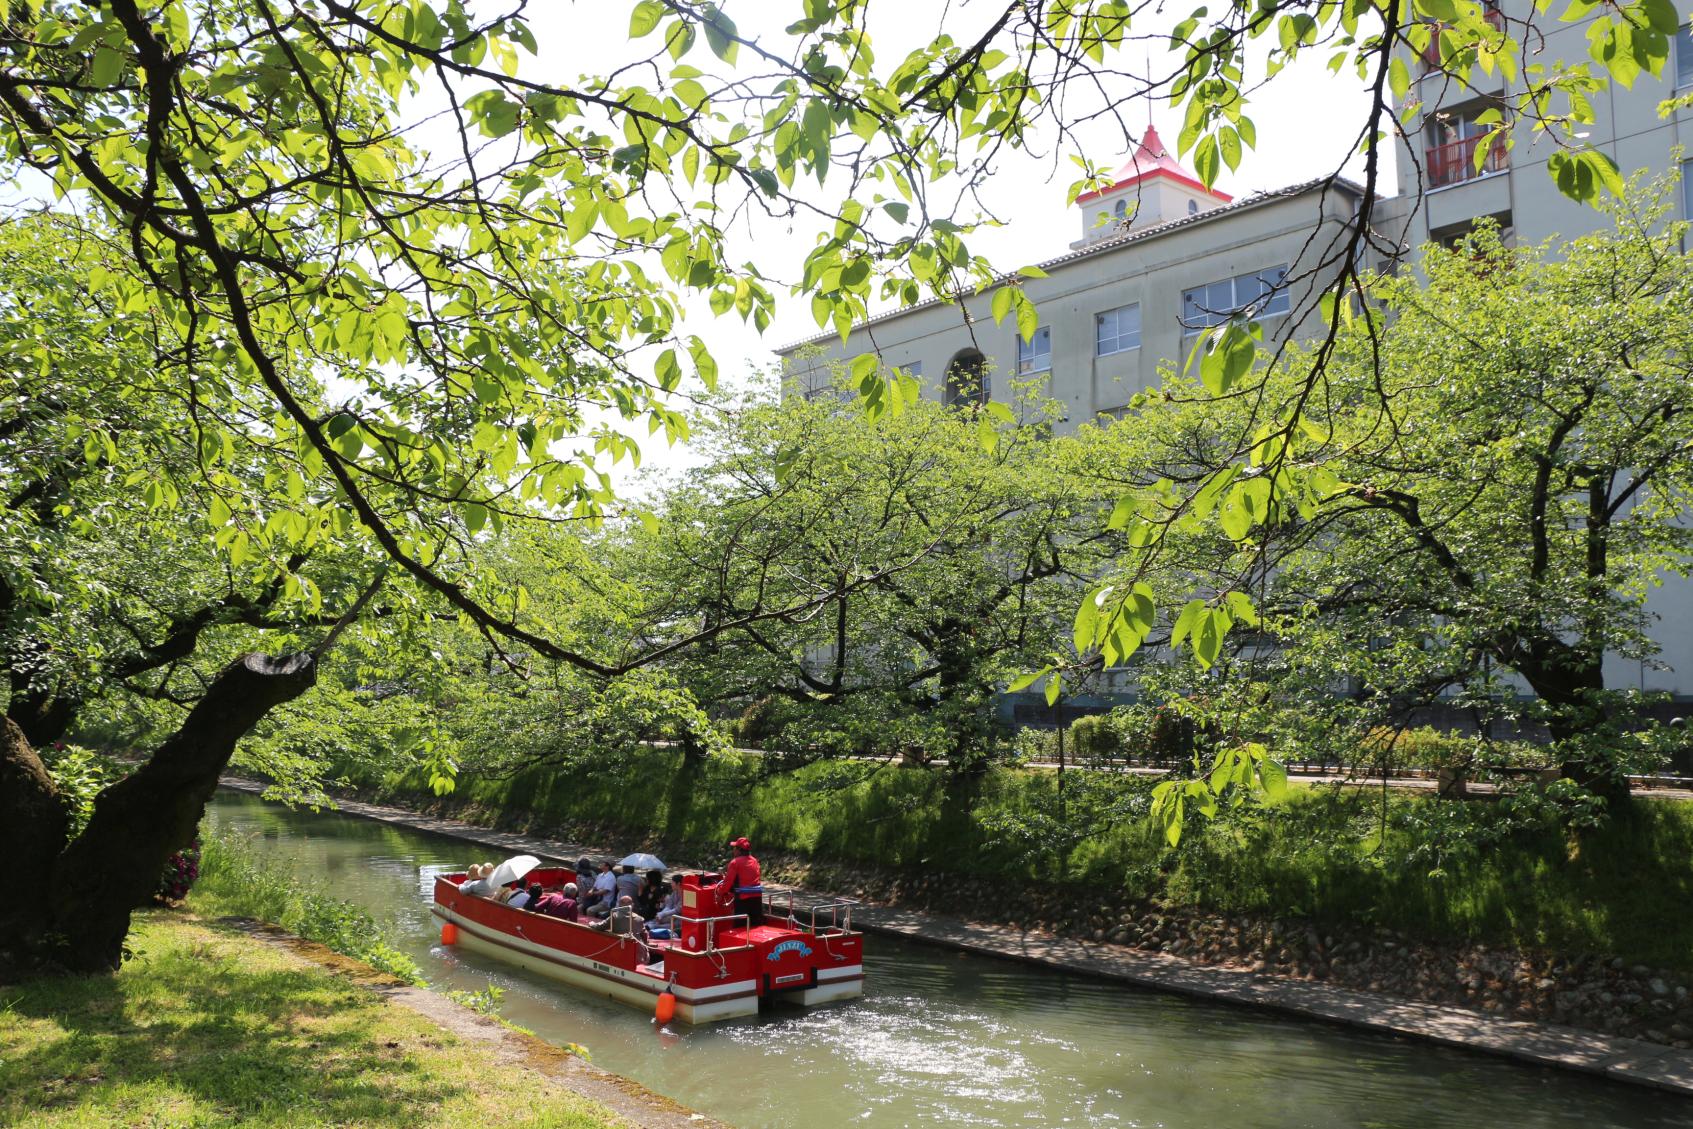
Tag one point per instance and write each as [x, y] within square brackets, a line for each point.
[665, 1010]
[449, 933]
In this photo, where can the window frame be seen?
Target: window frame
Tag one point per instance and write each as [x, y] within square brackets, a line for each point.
[1028, 355]
[1276, 292]
[1099, 349]
[1687, 189]
[1683, 52]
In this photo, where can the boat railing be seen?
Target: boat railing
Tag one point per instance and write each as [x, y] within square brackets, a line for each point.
[838, 917]
[712, 925]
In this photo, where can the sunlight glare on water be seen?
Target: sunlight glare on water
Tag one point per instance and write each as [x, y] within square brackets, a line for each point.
[943, 1038]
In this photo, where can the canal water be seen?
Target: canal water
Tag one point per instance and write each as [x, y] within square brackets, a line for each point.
[942, 1038]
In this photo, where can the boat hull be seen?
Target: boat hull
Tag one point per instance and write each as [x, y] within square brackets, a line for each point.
[740, 1000]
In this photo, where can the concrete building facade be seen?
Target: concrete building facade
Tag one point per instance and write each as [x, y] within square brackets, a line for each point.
[1159, 257]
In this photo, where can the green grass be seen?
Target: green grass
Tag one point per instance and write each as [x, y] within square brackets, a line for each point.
[1622, 890]
[206, 1026]
[236, 882]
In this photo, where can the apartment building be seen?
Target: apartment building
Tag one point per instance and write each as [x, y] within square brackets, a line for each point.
[1159, 257]
[1442, 191]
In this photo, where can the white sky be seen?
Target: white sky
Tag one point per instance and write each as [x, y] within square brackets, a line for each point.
[1307, 121]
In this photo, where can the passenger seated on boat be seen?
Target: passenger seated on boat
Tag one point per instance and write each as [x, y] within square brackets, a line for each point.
[622, 921]
[672, 903]
[629, 884]
[559, 903]
[650, 893]
[476, 880]
[601, 900]
[520, 898]
[584, 873]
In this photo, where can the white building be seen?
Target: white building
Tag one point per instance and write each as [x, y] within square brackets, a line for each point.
[1159, 257]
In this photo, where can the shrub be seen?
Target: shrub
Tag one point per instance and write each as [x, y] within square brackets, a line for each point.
[181, 871]
[1096, 738]
[79, 774]
[1161, 734]
[757, 723]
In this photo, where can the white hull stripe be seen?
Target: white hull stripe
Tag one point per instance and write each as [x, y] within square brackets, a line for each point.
[588, 966]
[845, 972]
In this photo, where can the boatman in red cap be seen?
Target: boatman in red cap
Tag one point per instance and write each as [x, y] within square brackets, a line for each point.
[741, 883]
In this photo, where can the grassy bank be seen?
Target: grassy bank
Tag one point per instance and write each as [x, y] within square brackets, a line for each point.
[236, 882]
[206, 1026]
[1438, 870]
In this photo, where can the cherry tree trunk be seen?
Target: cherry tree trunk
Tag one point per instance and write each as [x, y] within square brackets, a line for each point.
[80, 899]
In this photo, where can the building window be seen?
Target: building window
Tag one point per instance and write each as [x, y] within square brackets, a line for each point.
[1684, 56]
[912, 368]
[966, 380]
[1035, 354]
[1117, 331]
[1214, 303]
[1687, 190]
[1121, 210]
[1452, 142]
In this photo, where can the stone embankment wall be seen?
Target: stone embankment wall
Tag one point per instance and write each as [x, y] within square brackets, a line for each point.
[1591, 992]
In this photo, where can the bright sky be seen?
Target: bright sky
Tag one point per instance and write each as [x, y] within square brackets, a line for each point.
[1307, 119]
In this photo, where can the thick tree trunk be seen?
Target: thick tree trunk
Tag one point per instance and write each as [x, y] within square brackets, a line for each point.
[114, 865]
[33, 824]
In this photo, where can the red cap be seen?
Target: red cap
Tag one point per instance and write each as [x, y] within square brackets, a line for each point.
[743, 843]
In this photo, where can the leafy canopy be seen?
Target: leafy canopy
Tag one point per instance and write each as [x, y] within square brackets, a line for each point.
[438, 337]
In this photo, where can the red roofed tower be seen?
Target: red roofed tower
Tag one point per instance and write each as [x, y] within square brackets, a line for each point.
[1150, 188]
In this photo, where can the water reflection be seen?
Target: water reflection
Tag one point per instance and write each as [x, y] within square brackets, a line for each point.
[946, 1038]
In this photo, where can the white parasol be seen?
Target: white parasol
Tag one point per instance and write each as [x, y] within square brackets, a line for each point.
[513, 869]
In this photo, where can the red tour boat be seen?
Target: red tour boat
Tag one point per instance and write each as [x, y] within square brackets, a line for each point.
[715, 966]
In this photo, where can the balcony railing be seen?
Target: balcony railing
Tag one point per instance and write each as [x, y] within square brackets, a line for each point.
[1455, 161]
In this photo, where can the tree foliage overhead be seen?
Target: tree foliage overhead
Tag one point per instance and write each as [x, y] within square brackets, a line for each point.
[482, 301]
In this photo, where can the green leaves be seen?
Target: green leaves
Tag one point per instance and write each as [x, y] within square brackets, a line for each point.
[107, 66]
[1581, 174]
[1115, 620]
[1226, 354]
[1237, 775]
[720, 33]
[494, 113]
[645, 18]
[1010, 299]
